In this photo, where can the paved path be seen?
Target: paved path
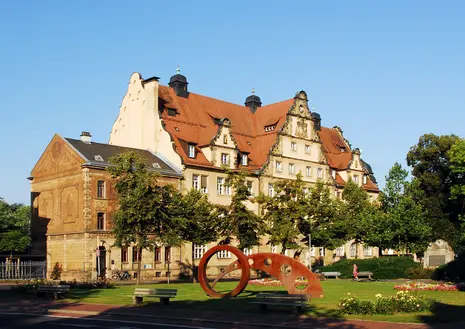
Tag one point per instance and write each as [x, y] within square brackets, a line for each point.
[156, 313]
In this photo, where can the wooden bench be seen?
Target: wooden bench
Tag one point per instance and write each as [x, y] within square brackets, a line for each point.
[297, 301]
[163, 294]
[53, 289]
[365, 274]
[331, 274]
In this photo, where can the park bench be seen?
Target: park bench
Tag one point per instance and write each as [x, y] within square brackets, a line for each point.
[163, 294]
[331, 274]
[52, 289]
[297, 301]
[365, 274]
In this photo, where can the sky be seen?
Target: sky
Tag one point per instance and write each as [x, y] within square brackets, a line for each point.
[386, 72]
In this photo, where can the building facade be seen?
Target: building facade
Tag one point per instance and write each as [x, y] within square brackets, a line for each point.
[203, 135]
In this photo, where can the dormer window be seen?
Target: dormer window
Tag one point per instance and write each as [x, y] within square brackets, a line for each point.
[191, 151]
[171, 112]
[270, 128]
[364, 179]
[244, 160]
[343, 149]
[333, 173]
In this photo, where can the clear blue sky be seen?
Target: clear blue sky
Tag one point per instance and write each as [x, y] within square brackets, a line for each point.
[386, 72]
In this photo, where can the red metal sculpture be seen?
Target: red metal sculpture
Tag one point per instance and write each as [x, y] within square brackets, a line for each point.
[289, 271]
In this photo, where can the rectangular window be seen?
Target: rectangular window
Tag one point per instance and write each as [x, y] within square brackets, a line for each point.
[172, 112]
[247, 251]
[270, 190]
[100, 189]
[274, 249]
[320, 173]
[308, 149]
[124, 255]
[339, 195]
[364, 179]
[203, 184]
[293, 146]
[340, 251]
[167, 254]
[223, 254]
[367, 251]
[353, 250]
[191, 151]
[199, 250]
[225, 159]
[100, 221]
[333, 173]
[356, 179]
[279, 166]
[195, 182]
[322, 252]
[136, 254]
[312, 252]
[157, 255]
[225, 139]
[244, 160]
[291, 168]
[308, 171]
[220, 188]
[249, 186]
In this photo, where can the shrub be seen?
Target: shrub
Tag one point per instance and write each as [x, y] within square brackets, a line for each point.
[452, 271]
[384, 305]
[56, 271]
[418, 272]
[382, 268]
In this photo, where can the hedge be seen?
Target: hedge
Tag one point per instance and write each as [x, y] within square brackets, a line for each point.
[383, 268]
[452, 271]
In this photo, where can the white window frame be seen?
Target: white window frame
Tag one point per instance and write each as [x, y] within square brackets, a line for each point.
[353, 250]
[249, 185]
[356, 180]
[291, 168]
[274, 249]
[320, 172]
[279, 166]
[220, 185]
[340, 252]
[196, 182]
[104, 185]
[321, 251]
[293, 146]
[245, 160]
[191, 151]
[367, 251]
[199, 251]
[270, 190]
[225, 159]
[247, 251]
[312, 252]
[333, 173]
[308, 171]
[365, 179]
[223, 254]
[204, 189]
[308, 149]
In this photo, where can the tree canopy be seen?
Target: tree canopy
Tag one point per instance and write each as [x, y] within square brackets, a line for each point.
[14, 226]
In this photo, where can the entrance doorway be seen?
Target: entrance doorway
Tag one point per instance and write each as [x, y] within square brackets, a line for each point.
[101, 262]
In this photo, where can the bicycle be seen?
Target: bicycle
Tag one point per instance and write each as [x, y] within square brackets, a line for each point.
[120, 275]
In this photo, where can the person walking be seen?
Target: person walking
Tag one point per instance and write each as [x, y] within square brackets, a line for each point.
[355, 272]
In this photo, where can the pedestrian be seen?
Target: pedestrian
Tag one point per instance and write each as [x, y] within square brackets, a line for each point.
[355, 272]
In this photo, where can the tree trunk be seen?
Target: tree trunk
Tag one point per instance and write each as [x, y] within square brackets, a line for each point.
[194, 268]
[139, 266]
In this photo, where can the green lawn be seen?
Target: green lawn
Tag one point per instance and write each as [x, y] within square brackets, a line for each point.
[452, 307]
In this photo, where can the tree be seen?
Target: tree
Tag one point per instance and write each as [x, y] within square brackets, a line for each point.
[238, 221]
[14, 227]
[457, 159]
[147, 213]
[200, 222]
[433, 174]
[284, 212]
[324, 221]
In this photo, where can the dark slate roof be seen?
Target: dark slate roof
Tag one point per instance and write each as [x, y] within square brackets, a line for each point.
[97, 154]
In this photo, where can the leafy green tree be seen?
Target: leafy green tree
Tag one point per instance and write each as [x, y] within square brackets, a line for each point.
[200, 223]
[148, 213]
[323, 218]
[284, 212]
[14, 227]
[238, 221]
[433, 174]
[457, 159]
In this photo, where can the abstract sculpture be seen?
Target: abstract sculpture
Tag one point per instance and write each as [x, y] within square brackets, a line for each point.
[286, 269]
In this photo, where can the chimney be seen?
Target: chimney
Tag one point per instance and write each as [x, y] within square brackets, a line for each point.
[86, 137]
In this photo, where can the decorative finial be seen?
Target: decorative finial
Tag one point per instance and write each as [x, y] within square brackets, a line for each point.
[253, 90]
[313, 108]
[178, 70]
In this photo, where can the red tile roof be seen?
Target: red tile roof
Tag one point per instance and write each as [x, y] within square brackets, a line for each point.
[195, 123]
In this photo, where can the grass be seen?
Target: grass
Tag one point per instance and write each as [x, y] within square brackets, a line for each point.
[451, 307]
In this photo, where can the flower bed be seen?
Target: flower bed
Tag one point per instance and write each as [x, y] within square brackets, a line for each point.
[420, 286]
[270, 282]
[404, 302]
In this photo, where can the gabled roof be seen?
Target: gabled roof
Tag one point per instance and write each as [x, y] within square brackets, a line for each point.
[97, 154]
[197, 118]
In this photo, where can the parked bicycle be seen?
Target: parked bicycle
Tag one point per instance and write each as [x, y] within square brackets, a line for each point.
[121, 275]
